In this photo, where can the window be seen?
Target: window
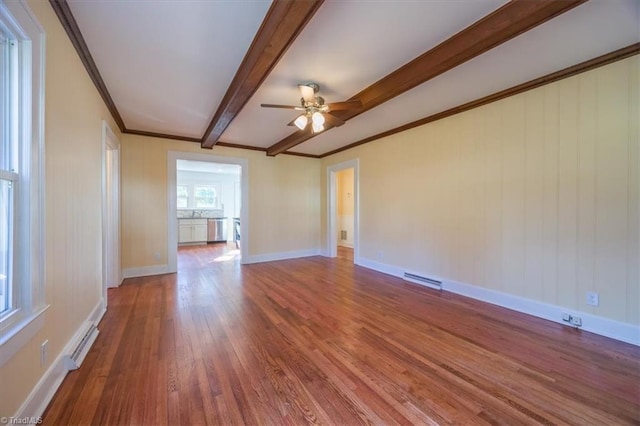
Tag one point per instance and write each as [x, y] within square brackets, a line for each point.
[6, 214]
[8, 176]
[21, 189]
[182, 200]
[206, 197]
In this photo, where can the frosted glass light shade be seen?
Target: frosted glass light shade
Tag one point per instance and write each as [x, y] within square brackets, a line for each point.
[301, 122]
[317, 128]
[317, 118]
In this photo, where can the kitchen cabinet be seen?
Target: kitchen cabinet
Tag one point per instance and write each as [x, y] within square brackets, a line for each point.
[192, 231]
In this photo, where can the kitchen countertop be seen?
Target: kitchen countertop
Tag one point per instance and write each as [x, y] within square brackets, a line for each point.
[205, 218]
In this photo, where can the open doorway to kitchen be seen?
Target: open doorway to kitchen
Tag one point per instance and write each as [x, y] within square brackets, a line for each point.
[342, 210]
[208, 205]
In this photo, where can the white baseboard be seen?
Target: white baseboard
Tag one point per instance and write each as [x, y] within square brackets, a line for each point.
[45, 389]
[617, 330]
[145, 271]
[270, 257]
[345, 243]
[381, 267]
[120, 279]
[98, 312]
[595, 324]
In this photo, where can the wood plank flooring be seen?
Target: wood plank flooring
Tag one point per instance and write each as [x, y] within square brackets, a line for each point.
[321, 341]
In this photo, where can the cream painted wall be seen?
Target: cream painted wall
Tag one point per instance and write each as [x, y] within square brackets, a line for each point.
[535, 195]
[73, 162]
[345, 205]
[284, 199]
[344, 181]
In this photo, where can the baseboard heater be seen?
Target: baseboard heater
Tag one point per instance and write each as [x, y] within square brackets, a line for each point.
[418, 279]
[89, 333]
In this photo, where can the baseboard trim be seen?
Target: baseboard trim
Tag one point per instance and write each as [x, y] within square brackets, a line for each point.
[593, 323]
[45, 389]
[145, 271]
[380, 267]
[270, 257]
[617, 330]
[98, 312]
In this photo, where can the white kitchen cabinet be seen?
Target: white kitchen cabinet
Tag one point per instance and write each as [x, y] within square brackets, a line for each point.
[200, 231]
[192, 231]
[184, 232]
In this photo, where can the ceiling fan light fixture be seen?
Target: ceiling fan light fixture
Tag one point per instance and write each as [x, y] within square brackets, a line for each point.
[313, 109]
[317, 127]
[317, 118]
[301, 122]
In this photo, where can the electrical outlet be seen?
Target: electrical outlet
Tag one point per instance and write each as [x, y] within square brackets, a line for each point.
[380, 254]
[156, 255]
[577, 321]
[593, 298]
[44, 349]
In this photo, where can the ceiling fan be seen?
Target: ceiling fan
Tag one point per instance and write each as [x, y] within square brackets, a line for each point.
[315, 110]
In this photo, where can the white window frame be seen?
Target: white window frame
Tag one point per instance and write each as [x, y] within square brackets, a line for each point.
[19, 325]
[187, 197]
[216, 200]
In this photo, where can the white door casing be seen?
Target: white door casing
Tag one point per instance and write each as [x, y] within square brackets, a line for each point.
[112, 276]
[172, 230]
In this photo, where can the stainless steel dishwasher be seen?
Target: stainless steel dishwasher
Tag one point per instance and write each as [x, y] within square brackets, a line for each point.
[217, 230]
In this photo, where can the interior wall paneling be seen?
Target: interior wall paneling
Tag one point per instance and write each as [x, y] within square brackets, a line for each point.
[534, 196]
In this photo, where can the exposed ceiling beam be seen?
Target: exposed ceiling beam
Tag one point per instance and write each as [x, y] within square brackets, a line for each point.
[61, 7]
[282, 24]
[505, 23]
[585, 66]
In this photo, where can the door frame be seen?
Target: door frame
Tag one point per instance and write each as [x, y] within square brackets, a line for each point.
[111, 236]
[332, 201]
[172, 225]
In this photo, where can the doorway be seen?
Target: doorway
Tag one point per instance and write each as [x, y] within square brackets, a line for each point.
[238, 202]
[111, 273]
[343, 209]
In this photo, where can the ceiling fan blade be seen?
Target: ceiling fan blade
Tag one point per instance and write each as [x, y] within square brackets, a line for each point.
[282, 106]
[332, 120]
[308, 92]
[337, 106]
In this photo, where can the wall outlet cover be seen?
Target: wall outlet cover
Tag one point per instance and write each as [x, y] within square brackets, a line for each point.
[593, 298]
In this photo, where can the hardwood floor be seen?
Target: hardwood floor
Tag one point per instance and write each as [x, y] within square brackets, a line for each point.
[318, 340]
[345, 253]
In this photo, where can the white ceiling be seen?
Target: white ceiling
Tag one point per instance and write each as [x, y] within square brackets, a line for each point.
[167, 64]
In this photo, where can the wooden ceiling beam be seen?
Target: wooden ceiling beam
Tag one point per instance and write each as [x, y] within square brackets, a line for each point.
[505, 23]
[282, 24]
[608, 58]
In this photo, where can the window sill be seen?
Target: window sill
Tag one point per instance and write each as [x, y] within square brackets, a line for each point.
[20, 333]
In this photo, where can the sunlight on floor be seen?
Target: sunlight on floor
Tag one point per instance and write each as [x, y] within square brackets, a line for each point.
[230, 255]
